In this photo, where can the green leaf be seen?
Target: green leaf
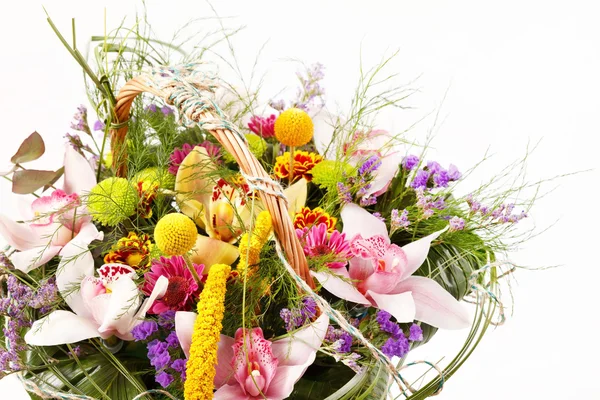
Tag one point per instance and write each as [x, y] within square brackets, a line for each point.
[31, 149]
[30, 180]
[320, 381]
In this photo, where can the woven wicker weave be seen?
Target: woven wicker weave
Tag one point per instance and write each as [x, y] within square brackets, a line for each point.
[235, 144]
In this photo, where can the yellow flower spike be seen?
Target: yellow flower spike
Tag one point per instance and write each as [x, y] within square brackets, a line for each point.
[175, 234]
[294, 127]
[201, 364]
[252, 244]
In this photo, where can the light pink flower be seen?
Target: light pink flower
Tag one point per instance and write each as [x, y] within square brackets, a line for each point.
[317, 242]
[275, 366]
[380, 275]
[104, 306]
[53, 222]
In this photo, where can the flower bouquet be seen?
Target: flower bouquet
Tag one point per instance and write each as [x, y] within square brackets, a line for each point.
[198, 244]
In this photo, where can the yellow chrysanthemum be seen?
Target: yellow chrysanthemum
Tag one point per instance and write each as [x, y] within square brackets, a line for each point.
[201, 364]
[307, 218]
[175, 234]
[294, 127]
[113, 200]
[304, 162]
[133, 250]
[251, 244]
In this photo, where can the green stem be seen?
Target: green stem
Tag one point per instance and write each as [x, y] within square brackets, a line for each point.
[190, 266]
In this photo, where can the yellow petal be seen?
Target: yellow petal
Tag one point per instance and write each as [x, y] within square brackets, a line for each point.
[296, 195]
[209, 251]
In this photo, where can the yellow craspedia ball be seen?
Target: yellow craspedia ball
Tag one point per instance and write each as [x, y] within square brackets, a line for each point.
[175, 234]
[294, 127]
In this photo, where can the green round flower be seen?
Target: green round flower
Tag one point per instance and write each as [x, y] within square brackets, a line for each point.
[328, 173]
[113, 200]
[151, 175]
[256, 144]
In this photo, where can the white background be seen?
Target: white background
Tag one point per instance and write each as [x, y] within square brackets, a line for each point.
[515, 71]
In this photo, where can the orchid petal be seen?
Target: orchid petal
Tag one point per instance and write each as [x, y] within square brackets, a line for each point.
[380, 282]
[19, 236]
[283, 383]
[29, 260]
[383, 176]
[296, 196]
[400, 305]
[357, 220]
[324, 127]
[75, 264]
[13, 384]
[209, 251]
[184, 328]
[298, 348]
[231, 392]
[416, 252]
[122, 306]
[60, 327]
[224, 356]
[434, 305]
[160, 288]
[79, 176]
[360, 268]
[339, 287]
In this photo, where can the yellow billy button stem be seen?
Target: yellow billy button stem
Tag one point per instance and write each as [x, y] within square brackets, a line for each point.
[294, 128]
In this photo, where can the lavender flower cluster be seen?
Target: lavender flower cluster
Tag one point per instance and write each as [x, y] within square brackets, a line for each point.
[341, 343]
[297, 317]
[432, 175]
[163, 355]
[310, 95]
[502, 214]
[398, 220]
[80, 120]
[15, 306]
[427, 204]
[398, 344]
[365, 171]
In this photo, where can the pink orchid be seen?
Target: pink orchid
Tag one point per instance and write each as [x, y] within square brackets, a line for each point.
[104, 306]
[54, 221]
[380, 275]
[251, 367]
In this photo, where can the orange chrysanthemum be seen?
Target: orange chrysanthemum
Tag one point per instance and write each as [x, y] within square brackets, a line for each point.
[303, 164]
[307, 218]
[132, 250]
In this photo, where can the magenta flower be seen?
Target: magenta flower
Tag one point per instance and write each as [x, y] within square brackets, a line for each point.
[253, 368]
[318, 243]
[263, 127]
[380, 275]
[182, 289]
[178, 155]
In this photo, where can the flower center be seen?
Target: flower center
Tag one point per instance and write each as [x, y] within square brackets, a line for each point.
[255, 382]
[176, 291]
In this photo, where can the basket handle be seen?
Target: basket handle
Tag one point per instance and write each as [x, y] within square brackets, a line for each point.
[180, 86]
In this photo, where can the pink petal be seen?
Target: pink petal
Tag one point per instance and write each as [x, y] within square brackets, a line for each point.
[230, 392]
[339, 287]
[360, 268]
[380, 282]
[434, 305]
[401, 305]
[122, 306]
[79, 176]
[416, 252]
[253, 347]
[31, 259]
[60, 327]
[160, 288]
[184, 328]
[303, 344]
[19, 236]
[283, 383]
[357, 220]
[224, 356]
[75, 264]
[385, 173]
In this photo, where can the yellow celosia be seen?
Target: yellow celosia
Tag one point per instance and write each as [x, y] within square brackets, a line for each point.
[294, 127]
[202, 361]
[252, 244]
[175, 234]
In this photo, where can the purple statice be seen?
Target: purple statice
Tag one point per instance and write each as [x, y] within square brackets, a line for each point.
[156, 347]
[415, 333]
[166, 110]
[340, 340]
[80, 120]
[427, 204]
[179, 365]
[474, 205]
[151, 108]
[410, 162]
[45, 296]
[164, 379]
[501, 214]
[297, 317]
[344, 193]
[379, 216]
[370, 165]
[456, 224]
[172, 340]
[75, 352]
[99, 125]
[434, 167]
[396, 347]
[166, 320]
[420, 180]
[399, 220]
[144, 330]
[386, 325]
[368, 201]
[278, 105]
[453, 173]
[350, 362]
[310, 94]
[76, 143]
[441, 179]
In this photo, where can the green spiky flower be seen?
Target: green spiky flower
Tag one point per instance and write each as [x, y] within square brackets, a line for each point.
[156, 175]
[328, 173]
[256, 144]
[113, 200]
